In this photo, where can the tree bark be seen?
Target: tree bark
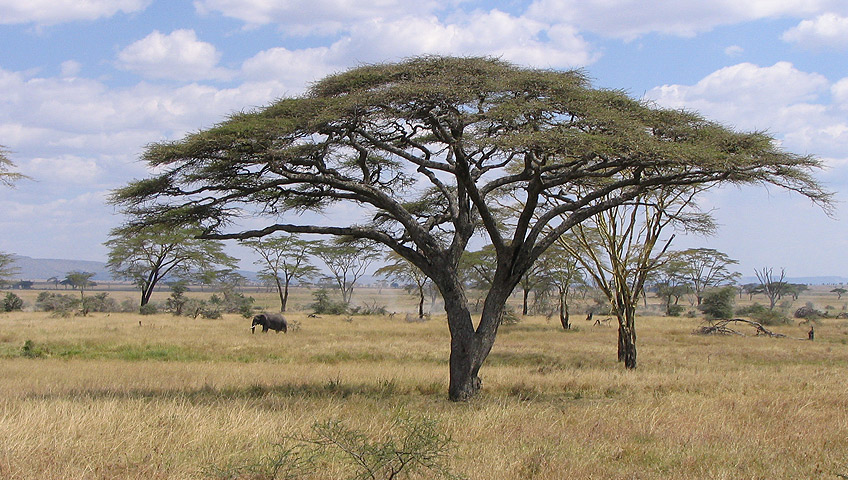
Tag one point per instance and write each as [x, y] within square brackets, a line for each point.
[524, 306]
[627, 339]
[563, 314]
[470, 347]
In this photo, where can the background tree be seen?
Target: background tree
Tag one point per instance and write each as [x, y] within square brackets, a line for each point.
[283, 258]
[7, 268]
[770, 285]
[80, 280]
[620, 247]
[670, 281]
[348, 261]
[408, 274]
[707, 268]
[146, 256]
[8, 176]
[563, 272]
[839, 291]
[424, 154]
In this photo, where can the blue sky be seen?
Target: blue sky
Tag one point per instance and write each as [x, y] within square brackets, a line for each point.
[84, 86]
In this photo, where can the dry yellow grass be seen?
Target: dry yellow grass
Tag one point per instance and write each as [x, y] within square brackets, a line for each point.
[104, 397]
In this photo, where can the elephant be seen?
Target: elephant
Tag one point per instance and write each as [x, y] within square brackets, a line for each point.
[274, 321]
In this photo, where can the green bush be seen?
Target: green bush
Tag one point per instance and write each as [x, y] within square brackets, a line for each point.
[149, 308]
[56, 303]
[323, 304]
[763, 315]
[674, 310]
[12, 303]
[100, 303]
[718, 303]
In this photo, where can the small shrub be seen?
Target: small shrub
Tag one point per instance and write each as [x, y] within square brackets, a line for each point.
[149, 308]
[510, 317]
[30, 350]
[718, 303]
[12, 303]
[99, 303]
[763, 315]
[675, 310]
[808, 312]
[58, 304]
[413, 448]
[323, 304]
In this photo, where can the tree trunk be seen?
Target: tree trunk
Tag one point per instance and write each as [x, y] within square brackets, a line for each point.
[524, 306]
[470, 347]
[627, 339]
[563, 314]
[421, 301]
[283, 291]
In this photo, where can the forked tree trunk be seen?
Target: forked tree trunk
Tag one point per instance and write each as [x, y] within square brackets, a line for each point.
[470, 347]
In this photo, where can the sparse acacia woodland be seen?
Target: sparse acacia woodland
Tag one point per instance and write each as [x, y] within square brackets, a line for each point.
[147, 256]
[429, 151]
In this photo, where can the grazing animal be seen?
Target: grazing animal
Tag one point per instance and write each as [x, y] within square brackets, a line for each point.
[274, 321]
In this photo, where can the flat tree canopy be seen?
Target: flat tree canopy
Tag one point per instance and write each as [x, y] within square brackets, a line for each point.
[434, 150]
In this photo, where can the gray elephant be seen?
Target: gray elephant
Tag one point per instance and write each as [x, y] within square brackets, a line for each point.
[274, 321]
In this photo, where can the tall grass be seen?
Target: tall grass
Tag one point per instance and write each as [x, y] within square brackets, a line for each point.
[107, 397]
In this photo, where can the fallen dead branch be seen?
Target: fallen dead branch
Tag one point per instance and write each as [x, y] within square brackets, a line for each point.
[723, 327]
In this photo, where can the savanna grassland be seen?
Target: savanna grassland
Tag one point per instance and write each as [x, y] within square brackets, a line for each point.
[126, 396]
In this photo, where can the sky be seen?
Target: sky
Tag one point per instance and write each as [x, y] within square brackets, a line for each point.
[85, 86]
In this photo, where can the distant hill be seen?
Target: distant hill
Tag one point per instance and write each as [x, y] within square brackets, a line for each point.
[40, 269]
[823, 280]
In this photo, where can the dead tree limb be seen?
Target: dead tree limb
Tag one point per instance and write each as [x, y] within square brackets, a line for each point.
[721, 327]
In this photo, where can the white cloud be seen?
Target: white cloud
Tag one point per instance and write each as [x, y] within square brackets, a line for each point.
[786, 102]
[827, 30]
[494, 33]
[314, 16]
[629, 19]
[734, 51]
[178, 55]
[50, 12]
[71, 68]
[69, 169]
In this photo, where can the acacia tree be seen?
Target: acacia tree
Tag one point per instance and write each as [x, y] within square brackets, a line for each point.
[707, 268]
[8, 177]
[670, 282]
[771, 285]
[347, 261]
[401, 270]
[79, 280]
[283, 258]
[561, 270]
[146, 256]
[423, 153]
[7, 267]
[620, 247]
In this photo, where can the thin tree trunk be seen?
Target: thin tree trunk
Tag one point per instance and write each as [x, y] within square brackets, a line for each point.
[421, 301]
[627, 339]
[524, 306]
[563, 314]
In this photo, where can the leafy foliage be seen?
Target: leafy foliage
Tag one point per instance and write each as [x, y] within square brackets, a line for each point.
[12, 303]
[323, 304]
[718, 303]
